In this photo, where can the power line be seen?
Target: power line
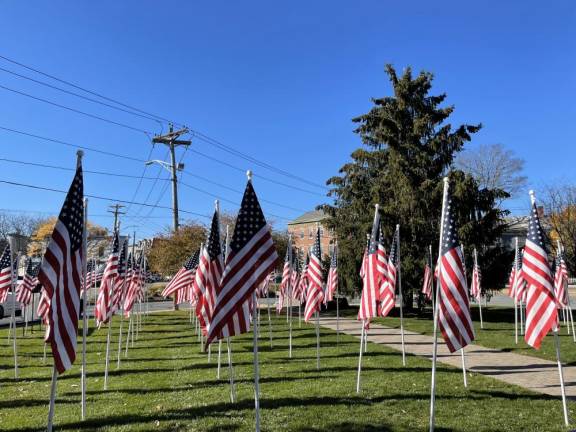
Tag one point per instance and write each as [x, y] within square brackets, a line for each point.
[80, 96]
[76, 146]
[138, 112]
[99, 197]
[77, 111]
[93, 93]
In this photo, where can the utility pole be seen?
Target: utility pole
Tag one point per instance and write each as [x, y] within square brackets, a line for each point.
[116, 210]
[171, 140]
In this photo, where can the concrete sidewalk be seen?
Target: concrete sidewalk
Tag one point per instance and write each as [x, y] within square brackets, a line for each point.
[532, 373]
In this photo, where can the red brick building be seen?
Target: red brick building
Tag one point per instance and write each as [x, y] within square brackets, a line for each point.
[303, 230]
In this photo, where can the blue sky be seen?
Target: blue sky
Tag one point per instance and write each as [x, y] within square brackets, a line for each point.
[279, 81]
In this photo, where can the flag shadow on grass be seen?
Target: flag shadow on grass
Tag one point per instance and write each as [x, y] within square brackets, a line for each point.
[223, 410]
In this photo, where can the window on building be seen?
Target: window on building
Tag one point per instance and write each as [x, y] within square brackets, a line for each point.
[301, 233]
[310, 233]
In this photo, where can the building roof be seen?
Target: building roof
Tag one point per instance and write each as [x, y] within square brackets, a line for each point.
[308, 217]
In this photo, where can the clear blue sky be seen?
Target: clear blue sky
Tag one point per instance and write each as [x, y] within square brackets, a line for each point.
[277, 80]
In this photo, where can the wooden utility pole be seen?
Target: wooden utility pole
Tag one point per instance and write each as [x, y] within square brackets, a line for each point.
[115, 209]
[171, 140]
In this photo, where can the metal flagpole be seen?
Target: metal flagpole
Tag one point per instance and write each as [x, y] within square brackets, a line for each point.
[128, 335]
[14, 276]
[219, 358]
[560, 373]
[337, 300]
[400, 295]
[360, 357]
[231, 371]
[289, 293]
[84, 309]
[256, 371]
[435, 344]
[464, 366]
[317, 340]
[269, 320]
[52, 399]
[516, 258]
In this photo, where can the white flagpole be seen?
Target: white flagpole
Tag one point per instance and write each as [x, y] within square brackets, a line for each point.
[435, 344]
[516, 258]
[84, 310]
[256, 370]
[317, 340]
[14, 276]
[400, 295]
[219, 358]
[360, 357]
[337, 301]
[269, 320]
[561, 375]
[479, 300]
[464, 367]
[52, 399]
[128, 335]
[289, 293]
[231, 371]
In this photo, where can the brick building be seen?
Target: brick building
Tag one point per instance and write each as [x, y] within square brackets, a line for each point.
[303, 230]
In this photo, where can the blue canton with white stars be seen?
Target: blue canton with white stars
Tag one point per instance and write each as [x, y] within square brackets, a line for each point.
[214, 245]
[192, 262]
[5, 260]
[250, 219]
[450, 234]
[316, 249]
[535, 232]
[72, 213]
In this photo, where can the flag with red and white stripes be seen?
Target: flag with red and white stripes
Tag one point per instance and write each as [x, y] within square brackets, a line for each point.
[285, 285]
[251, 258]
[427, 286]
[103, 310]
[61, 276]
[561, 280]
[382, 266]
[475, 289]
[5, 274]
[131, 285]
[208, 275]
[28, 283]
[541, 312]
[121, 279]
[388, 292]
[315, 293]
[371, 275]
[332, 280]
[454, 313]
[184, 278]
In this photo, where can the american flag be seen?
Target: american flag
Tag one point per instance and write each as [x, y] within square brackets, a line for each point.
[519, 288]
[475, 289]
[295, 279]
[382, 266]
[332, 281]
[541, 312]
[303, 282]
[208, 275]
[388, 297]
[131, 285]
[371, 275]
[428, 278]
[43, 306]
[90, 273]
[251, 258]
[61, 276]
[120, 284]
[28, 283]
[5, 274]
[561, 280]
[264, 287]
[315, 294]
[287, 271]
[103, 310]
[454, 313]
[184, 277]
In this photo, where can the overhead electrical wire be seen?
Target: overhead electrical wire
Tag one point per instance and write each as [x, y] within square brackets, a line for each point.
[138, 112]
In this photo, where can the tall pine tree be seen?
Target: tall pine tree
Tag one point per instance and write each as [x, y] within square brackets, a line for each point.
[408, 147]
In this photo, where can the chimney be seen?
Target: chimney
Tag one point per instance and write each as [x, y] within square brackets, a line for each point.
[540, 210]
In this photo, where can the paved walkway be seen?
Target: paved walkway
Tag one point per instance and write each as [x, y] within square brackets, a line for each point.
[531, 373]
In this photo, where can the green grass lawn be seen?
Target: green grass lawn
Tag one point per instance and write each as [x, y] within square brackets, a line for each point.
[166, 384]
[498, 332]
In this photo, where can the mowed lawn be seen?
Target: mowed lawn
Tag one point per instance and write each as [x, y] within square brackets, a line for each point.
[167, 384]
[498, 332]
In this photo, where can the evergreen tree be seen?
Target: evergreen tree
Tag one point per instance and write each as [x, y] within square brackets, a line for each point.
[408, 147]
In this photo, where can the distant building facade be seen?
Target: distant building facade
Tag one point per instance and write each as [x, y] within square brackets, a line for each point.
[303, 231]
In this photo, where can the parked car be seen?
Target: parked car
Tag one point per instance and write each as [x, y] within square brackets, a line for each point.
[6, 307]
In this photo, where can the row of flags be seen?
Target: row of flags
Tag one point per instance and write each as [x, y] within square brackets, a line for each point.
[221, 278]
